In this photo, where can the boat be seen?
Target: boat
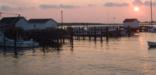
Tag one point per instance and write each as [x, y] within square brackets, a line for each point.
[19, 43]
[4, 41]
[151, 44]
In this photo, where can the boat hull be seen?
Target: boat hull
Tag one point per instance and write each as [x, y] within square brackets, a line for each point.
[21, 44]
[152, 44]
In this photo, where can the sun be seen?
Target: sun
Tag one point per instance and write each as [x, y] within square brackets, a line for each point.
[136, 8]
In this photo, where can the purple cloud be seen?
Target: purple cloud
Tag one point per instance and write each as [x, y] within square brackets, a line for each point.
[137, 2]
[12, 8]
[147, 3]
[49, 6]
[5, 7]
[134, 2]
[112, 4]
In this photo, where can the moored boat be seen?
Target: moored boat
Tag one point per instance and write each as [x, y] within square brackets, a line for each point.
[151, 44]
[4, 41]
[19, 43]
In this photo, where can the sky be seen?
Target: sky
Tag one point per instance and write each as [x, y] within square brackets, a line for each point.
[101, 11]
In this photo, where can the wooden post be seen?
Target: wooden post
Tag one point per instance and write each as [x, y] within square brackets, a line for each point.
[95, 35]
[33, 48]
[84, 33]
[101, 34]
[117, 29]
[15, 43]
[4, 40]
[70, 31]
[89, 34]
[129, 31]
[71, 37]
[107, 34]
[44, 51]
[78, 34]
[63, 37]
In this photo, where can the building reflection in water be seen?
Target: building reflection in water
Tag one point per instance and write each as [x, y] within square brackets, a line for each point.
[16, 52]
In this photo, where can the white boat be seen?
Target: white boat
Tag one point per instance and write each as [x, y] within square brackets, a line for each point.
[4, 41]
[151, 44]
[19, 43]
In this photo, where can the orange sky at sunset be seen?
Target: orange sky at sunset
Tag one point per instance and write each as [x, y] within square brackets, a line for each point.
[80, 10]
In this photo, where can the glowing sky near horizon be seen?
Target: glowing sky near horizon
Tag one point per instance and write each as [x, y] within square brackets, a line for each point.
[79, 10]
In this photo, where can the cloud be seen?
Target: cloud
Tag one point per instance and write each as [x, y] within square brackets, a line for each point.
[137, 2]
[92, 5]
[5, 7]
[134, 2]
[112, 4]
[12, 8]
[49, 6]
[147, 3]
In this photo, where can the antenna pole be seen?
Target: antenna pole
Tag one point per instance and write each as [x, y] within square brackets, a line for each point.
[62, 16]
[19, 15]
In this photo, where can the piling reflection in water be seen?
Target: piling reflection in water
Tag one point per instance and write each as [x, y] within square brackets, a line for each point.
[15, 52]
[55, 48]
[102, 41]
[118, 56]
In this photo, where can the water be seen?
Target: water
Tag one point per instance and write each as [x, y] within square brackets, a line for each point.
[122, 56]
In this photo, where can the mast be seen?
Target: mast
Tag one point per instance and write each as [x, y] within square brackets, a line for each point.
[151, 8]
[0, 14]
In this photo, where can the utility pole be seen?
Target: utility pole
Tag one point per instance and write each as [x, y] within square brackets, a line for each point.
[62, 18]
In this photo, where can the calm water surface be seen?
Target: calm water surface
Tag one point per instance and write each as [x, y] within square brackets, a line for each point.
[122, 56]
